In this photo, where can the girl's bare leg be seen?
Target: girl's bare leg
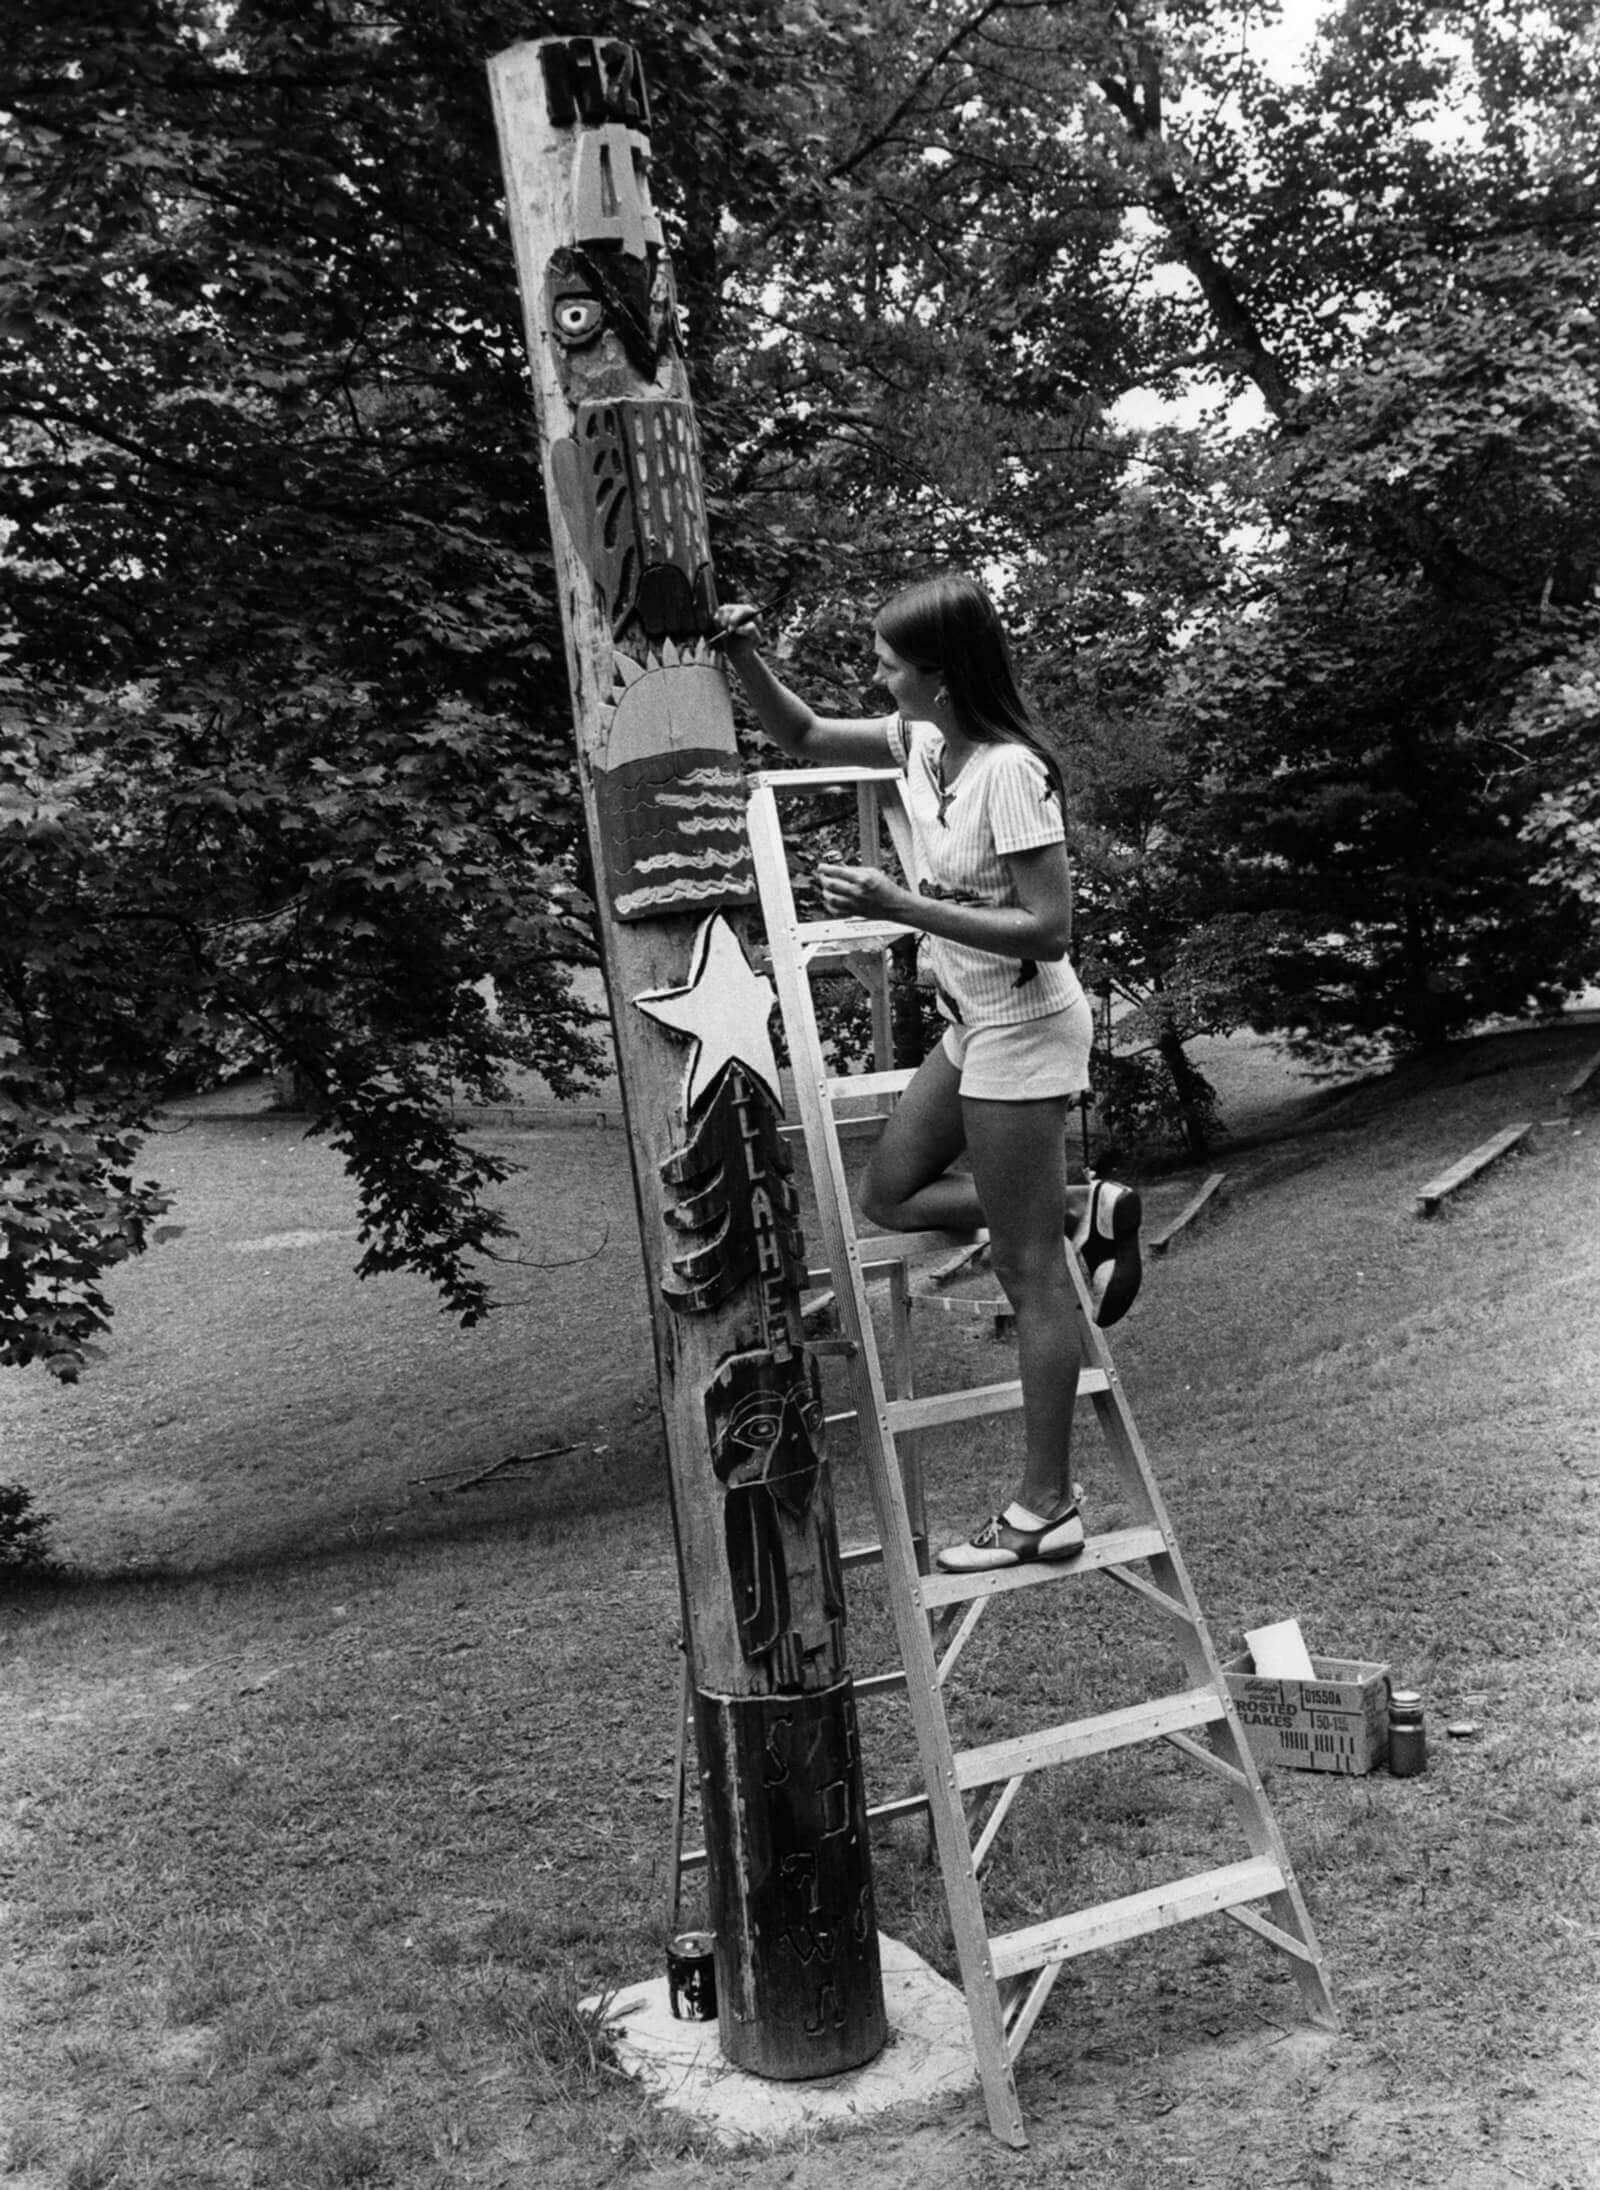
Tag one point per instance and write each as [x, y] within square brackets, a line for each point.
[909, 1186]
[1018, 1153]
[1018, 1189]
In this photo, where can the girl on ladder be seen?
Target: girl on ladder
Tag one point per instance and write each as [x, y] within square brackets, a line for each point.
[993, 900]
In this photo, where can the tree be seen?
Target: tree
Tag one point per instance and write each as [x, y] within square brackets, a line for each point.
[1374, 753]
[284, 762]
[1003, 176]
[1356, 806]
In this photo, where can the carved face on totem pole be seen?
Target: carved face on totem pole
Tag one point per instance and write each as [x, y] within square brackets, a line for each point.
[627, 476]
[764, 1423]
[615, 274]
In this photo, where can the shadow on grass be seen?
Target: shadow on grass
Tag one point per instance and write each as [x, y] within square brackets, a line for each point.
[545, 1514]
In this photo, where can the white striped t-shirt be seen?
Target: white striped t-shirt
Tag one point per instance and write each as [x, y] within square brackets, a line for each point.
[1001, 802]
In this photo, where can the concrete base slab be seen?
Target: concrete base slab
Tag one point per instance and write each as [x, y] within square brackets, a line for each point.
[928, 2056]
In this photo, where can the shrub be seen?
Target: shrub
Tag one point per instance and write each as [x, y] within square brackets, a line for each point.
[1138, 1105]
[24, 1535]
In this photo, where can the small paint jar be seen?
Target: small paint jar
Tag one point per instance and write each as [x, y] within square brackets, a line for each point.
[692, 1978]
[1408, 1737]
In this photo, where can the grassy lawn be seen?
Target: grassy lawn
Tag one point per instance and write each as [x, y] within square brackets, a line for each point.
[335, 1769]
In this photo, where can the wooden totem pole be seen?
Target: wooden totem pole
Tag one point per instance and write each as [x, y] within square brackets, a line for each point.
[799, 1989]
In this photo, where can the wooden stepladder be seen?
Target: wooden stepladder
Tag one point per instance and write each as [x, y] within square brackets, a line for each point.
[1006, 1977]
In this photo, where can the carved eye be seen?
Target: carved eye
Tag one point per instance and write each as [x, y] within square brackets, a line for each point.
[577, 318]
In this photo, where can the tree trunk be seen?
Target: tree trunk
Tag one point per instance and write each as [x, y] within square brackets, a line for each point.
[1230, 314]
[1193, 1095]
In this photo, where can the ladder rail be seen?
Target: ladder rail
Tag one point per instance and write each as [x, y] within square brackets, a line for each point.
[680, 1860]
[1028, 2004]
[965, 1628]
[999, 1812]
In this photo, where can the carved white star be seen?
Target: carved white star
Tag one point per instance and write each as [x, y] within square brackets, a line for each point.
[723, 1007]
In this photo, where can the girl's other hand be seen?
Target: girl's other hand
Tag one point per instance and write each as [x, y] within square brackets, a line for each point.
[859, 893]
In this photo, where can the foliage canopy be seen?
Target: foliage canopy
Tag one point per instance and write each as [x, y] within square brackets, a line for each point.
[284, 756]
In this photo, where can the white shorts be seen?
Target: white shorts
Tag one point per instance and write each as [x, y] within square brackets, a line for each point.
[1027, 1061]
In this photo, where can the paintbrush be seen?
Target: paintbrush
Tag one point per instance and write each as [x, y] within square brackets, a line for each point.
[729, 631]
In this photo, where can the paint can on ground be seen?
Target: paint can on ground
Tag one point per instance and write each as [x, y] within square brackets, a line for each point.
[692, 1978]
[1408, 1737]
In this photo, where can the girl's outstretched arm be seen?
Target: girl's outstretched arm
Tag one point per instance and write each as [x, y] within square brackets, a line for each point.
[832, 740]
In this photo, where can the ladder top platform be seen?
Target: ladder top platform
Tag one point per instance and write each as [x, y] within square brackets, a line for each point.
[848, 938]
[819, 779]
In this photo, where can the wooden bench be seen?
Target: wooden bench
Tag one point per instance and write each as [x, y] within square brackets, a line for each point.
[1187, 1214]
[1584, 1086]
[1451, 1181]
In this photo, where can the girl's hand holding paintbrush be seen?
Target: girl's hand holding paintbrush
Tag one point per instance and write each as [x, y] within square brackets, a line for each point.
[738, 627]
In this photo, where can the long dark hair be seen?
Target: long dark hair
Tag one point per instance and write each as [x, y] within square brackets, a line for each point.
[949, 627]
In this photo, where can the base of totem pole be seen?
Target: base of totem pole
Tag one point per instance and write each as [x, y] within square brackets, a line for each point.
[928, 2057]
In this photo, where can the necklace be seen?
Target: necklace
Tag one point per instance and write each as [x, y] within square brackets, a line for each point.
[945, 788]
[946, 792]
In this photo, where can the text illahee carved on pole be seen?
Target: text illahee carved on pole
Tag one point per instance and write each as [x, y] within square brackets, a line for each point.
[798, 1982]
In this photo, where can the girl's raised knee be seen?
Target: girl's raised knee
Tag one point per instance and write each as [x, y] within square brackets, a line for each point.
[880, 1208]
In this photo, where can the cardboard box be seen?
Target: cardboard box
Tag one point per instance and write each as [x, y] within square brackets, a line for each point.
[1338, 1723]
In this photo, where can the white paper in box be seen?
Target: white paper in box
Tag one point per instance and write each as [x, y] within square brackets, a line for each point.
[1338, 1722]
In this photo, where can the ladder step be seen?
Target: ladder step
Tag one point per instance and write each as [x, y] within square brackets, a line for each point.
[878, 1813]
[1117, 1547]
[1090, 1737]
[1204, 1894]
[886, 1266]
[903, 1246]
[936, 1408]
[1114, 1549]
[866, 1086]
[904, 1806]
